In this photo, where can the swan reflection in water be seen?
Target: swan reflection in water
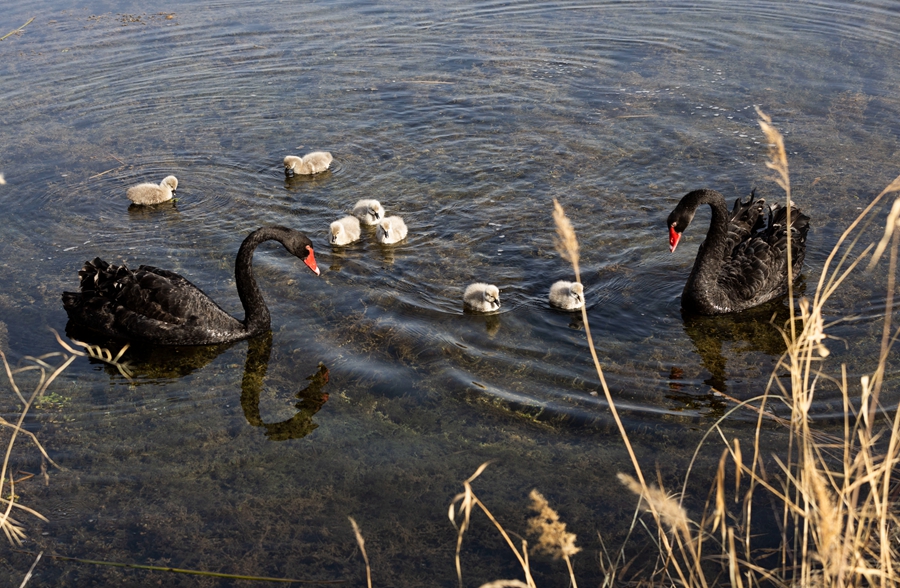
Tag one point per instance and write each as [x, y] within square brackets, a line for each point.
[311, 398]
[753, 330]
[149, 364]
[299, 182]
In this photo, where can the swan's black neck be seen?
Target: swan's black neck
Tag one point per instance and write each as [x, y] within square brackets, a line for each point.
[256, 314]
[711, 255]
[717, 235]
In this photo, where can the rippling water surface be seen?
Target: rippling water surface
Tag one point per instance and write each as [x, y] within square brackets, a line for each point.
[376, 394]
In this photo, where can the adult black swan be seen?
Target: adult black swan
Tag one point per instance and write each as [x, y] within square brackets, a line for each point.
[160, 307]
[743, 261]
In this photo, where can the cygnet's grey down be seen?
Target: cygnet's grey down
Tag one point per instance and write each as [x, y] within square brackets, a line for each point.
[345, 230]
[153, 194]
[567, 295]
[369, 212]
[482, 297]
[391, 230]
[311, 163]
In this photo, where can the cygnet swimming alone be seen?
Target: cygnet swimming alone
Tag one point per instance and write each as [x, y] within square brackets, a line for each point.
[567, 295]
[369, 212]
[482, 297]
[311, 163]
[391, 230]
[153, 194]
[345, 230]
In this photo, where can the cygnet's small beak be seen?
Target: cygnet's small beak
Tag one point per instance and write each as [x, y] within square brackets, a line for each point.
[289, 172]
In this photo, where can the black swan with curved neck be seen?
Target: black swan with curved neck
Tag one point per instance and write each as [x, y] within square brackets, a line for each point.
[160, 307]
[743, 261]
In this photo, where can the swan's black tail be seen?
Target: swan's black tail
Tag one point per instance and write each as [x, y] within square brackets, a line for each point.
[98, 284]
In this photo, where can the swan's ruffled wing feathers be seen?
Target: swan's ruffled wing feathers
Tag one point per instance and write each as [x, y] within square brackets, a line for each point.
[745, 219]
[776, 233]
[757, 268]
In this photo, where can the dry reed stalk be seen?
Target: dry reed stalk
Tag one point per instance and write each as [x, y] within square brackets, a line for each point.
[839, 520]
[362, 547]
[18, 30]
[779, 164]
[567, 245]
[47, 374]
[31, 570]
[14, 530]
[171, 570]
[100, 354]
[468, 501]
[842, 517]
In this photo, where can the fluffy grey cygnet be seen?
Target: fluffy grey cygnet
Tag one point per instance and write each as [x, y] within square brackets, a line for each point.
[369, 212]
[391, 230]
[345, 230]
[567, 295]
[151, 193]
[311, 163]
[482, 297]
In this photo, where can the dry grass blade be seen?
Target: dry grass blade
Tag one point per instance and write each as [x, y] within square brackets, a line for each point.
[46, 374]
[100, 354]
[362, 548]
[114, 564]
[719, 513]
[468, 501]
[779, 164]
[31, 570]
[18, 30]
[567, 243]
[13, 530]
[34, 439]
[890, 227]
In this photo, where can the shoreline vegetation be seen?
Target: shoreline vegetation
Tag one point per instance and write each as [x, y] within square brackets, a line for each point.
[836, 495]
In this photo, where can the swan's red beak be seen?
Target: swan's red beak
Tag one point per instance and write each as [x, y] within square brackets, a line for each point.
[311, 260]
[674, 236]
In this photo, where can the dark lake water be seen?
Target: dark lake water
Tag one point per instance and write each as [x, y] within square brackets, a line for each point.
[467, 119]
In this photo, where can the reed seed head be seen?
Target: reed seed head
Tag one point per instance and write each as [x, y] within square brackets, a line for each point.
[566, 242]
[777, 155]
[552, 537]
[671, 513]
